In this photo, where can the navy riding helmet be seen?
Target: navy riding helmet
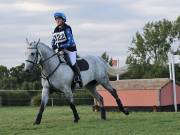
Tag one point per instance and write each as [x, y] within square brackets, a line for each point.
[60, 15]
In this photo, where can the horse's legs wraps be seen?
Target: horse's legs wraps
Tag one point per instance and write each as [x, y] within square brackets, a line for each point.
[44, 100]
[118, 101]
[113, 92]
[92, 88]
[70, 98]
[103, 113]
[76, 116]
[99, 98]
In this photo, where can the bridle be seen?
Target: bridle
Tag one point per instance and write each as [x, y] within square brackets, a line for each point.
[36, 63]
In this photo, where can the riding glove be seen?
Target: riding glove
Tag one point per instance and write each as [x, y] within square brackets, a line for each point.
[54, 47]
[60, 49]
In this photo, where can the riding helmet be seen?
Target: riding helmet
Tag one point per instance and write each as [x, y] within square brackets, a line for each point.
[60, 15]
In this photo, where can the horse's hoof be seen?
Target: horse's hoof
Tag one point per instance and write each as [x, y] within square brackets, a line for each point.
[36, 123]
[103, 118]
[76, 120]
[126, 112]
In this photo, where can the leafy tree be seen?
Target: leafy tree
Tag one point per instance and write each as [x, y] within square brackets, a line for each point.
[111, 62]
[176, 28]
[3, 72]
[148, 56]
[106, 57]
[152, 46]
[16, 78]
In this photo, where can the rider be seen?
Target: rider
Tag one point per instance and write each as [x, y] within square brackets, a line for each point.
[63, 41]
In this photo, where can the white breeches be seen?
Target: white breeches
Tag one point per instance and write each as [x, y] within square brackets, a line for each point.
[72, 56]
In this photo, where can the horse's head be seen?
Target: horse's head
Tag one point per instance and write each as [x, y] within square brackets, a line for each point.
[32, 55]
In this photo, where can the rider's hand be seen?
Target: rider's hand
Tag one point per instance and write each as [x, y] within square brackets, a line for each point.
[54, 47]
[60, 49]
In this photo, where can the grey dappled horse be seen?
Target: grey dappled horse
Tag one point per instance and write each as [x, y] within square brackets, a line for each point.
[59, 76]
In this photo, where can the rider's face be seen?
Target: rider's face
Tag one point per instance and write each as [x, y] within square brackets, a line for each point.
[59, 21]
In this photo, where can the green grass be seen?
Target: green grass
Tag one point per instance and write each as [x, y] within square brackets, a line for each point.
[58, 121]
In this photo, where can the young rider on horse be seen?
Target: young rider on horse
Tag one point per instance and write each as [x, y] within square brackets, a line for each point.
[63, 41]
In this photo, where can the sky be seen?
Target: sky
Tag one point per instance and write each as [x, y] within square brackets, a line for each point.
[97, 25]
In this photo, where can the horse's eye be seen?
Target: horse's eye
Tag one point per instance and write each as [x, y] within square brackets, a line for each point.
[32, 54]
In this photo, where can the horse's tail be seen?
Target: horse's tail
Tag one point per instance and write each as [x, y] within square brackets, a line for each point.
[113, 71]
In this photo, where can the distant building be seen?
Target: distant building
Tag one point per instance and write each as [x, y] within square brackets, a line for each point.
[142, 94]
[114, 62]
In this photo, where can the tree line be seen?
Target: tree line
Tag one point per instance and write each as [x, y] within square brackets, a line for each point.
[15, 78]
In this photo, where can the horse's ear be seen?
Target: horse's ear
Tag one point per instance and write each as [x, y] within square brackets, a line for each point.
[27, 42]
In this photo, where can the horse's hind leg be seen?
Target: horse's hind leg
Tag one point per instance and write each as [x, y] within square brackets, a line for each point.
[69, 96]
[92, 88]
[44, 100]
[106, 84]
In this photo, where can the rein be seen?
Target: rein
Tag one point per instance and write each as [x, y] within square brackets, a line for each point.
[49, 57]
[48, 76]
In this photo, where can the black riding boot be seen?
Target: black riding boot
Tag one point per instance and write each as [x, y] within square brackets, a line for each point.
[77, 75]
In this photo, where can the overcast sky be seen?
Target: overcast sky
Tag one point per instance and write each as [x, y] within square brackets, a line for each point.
[97, 25]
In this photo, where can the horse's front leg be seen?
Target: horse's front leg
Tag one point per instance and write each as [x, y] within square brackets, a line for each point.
[44, 100]
[70, 98]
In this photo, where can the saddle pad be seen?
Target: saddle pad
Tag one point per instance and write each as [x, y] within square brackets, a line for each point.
[83, 64]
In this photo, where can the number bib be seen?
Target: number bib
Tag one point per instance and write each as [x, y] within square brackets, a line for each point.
[59, 37]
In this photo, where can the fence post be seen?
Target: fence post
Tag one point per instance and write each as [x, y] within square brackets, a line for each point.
[0, 101]
[174, 83]
[52, 102]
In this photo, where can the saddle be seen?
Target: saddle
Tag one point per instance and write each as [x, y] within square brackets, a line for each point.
[83, 64]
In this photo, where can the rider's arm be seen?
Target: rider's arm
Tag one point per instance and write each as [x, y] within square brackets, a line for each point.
[54, 46]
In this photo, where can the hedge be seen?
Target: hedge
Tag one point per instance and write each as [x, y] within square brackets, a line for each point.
[81, 97]
[26, 98]
[15, 98]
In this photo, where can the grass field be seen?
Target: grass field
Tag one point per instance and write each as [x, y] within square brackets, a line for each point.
[58, 121]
